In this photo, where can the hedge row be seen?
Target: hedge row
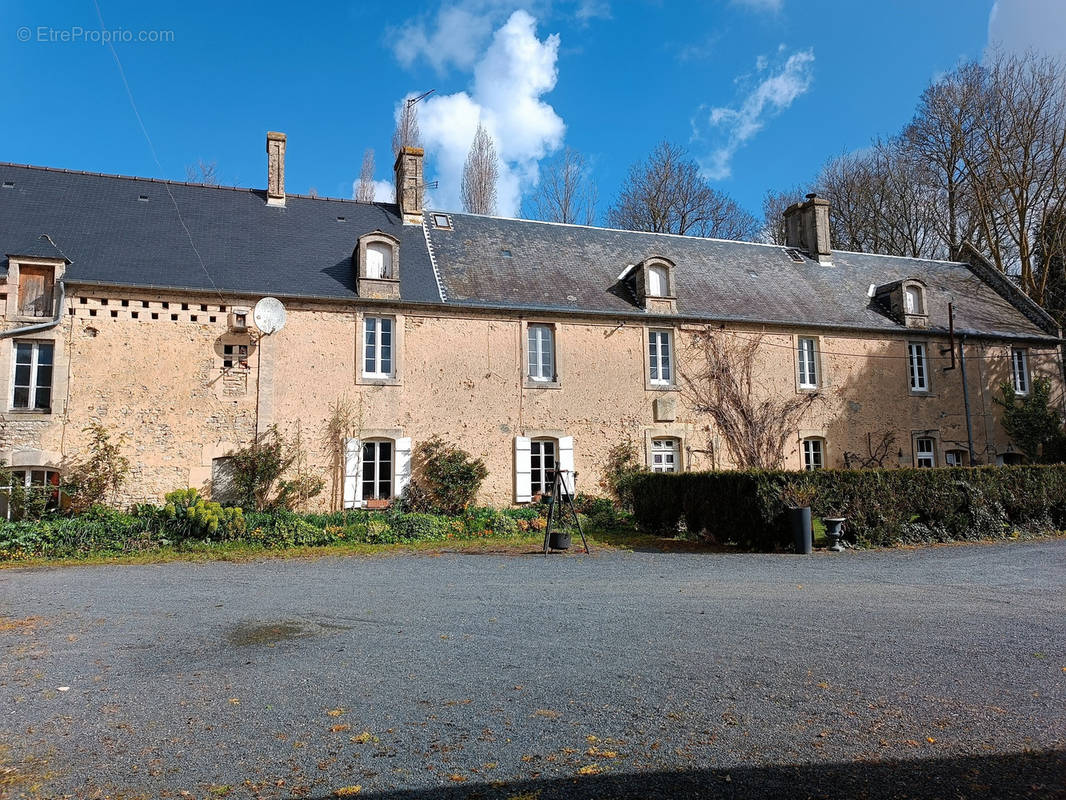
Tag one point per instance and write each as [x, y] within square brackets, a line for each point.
[882, 507]
[147, 527]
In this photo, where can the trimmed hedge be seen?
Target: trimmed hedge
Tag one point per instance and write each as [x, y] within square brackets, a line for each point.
[882, 507]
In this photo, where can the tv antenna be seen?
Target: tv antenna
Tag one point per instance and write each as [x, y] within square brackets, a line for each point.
[412, 100]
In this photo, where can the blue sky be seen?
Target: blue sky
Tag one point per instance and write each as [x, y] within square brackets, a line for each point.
[761, 92]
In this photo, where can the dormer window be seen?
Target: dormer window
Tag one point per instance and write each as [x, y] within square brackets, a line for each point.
[905, 300]
[378, 261]
[912, 300]
[377, 264]
[658, 281]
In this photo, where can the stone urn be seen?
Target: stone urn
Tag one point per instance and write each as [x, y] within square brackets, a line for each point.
[834, 532]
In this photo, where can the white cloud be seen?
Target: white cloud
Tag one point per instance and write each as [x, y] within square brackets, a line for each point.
[733, 127]
[592, 9]
[1021, 25]
[509, 80]
[384, 191]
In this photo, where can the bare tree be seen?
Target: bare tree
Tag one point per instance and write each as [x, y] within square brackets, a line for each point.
[205, 172]
[566, 191]
[407, 133]
[774, 204]
[480, 173]
[364, 191]
[756, 421]
[667, 193]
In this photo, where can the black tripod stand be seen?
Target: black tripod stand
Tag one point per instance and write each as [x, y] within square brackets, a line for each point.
[562, 500]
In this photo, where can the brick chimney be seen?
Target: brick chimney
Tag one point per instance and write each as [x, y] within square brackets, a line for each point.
[410, 184]
[275, 169]
[807, 227]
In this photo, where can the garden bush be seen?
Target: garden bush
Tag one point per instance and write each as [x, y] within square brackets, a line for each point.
[187, 515]
[882, 507]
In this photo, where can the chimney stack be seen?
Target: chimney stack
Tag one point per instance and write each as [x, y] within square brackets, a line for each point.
[410, 184]
[807, 227]
[275, 169]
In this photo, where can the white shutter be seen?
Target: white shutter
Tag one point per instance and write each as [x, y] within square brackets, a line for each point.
[353, 478]
[403, 465]
[566, 460]
[523, 470]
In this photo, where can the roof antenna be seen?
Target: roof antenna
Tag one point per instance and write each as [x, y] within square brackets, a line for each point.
[412, 100]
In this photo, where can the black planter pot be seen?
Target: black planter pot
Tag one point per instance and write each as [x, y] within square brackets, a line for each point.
[802, 535]
[834, 532]
[559, 540]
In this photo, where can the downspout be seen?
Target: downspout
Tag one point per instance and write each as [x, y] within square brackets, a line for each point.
[966, 398]
[41, 326]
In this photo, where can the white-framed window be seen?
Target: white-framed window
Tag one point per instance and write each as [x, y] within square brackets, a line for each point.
[912, 300]
[378, 261]
[1019, 359]
[377, 347]
[956, 458]
[377, 464]
[658, 281]
[32, 375]
[36, 484]
[541, 351]
[235, 355]
[542, 465]
[808, 363]
[916, 363]
[813, 453]
[666, 455]
[660, 357]
[925, 451]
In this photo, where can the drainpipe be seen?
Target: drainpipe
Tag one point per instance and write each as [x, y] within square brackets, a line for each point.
[41, 326]
[966, 398]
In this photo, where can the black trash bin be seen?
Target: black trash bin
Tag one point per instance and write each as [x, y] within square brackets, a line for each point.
[802, 536]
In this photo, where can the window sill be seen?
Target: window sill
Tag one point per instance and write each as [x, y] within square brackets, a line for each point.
[661, 387]
[921, 393]
[808, 389]
[531, 383]
[40, 412]
[378, 380]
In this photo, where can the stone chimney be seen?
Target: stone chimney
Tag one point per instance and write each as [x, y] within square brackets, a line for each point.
[410, 184]
[275, 169]
[807, 227]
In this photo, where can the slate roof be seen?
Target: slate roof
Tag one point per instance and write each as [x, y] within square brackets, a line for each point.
[111, 236]
[555, 267]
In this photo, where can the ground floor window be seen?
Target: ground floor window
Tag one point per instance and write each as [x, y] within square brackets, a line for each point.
[29, 492]
[925, 452]
[542, 454]
[377, 470]
[956, 458]
[665, 455]
[813, 454]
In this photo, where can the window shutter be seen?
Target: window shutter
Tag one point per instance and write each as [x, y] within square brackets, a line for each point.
[403, 465]
[523, 470]
[566, 460]
[353, 477]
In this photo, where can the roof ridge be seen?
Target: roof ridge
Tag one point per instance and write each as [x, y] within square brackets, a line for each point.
[192, 184]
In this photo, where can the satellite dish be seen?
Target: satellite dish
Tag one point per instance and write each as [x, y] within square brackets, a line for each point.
[269, 315]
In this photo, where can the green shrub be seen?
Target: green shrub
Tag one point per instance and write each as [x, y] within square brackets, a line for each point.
[188, 516]
[882, 507]
[446, 479]
[281, 528]
[98, 530]
[415, 527]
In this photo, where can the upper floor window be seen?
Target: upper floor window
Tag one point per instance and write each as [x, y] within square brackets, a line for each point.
[916, 363]
[35, 291]
[378, 261]
[1020, 370]
[808, 364]
[235, 356]
[813, 454]
[658, 281]
[541, 349]
[925, 451]
[32, 384]
[912, 300]
[377, 347]
[665, 455]
[660, 357]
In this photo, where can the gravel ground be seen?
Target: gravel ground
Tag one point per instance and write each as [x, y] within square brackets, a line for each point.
[907, 673]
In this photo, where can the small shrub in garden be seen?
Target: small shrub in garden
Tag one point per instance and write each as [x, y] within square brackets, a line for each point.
[446, 479]
[188, 515]
[97, 479]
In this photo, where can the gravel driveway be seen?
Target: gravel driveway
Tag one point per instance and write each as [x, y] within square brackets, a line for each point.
[909, 673]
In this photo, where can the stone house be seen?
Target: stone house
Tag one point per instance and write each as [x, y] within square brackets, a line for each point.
[130, 302]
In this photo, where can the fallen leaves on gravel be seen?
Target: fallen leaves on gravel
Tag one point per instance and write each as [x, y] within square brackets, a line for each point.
[547, 713]
[347, 791]
[336, 712]
[590, 769]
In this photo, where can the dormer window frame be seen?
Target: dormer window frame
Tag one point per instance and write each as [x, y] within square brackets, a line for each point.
[384, 288]
[16, 287]
[895, 297]
[665, 303]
